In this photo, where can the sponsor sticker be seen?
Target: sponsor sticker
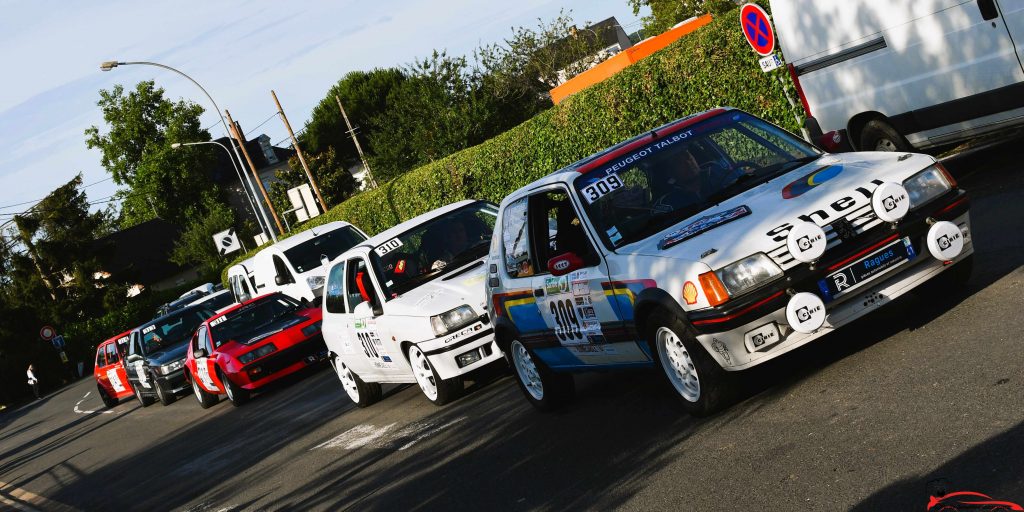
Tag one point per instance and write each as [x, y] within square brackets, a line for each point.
[690, 293]
[556, 285]
[705, 223]
[388, 246]
[762, 337]
[601, 188]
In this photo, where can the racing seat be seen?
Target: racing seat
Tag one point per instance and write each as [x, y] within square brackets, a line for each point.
[364, 285]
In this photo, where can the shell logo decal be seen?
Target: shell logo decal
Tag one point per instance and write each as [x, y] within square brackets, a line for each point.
[805, 183]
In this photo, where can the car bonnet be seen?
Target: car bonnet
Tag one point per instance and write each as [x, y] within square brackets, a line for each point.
[464, 285]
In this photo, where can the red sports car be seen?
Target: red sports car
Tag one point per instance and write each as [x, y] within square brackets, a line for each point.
[252, 344]
[111, 379]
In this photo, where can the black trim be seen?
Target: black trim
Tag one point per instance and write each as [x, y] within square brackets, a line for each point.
[462, 270]
[959, 110]
[850, 53]
[459, 343]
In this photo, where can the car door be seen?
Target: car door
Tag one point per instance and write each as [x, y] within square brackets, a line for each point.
[137, 374]
[101, 366]
[114, 370]
[580, 308]
[336, 315]
[206, 366]
[377, 353]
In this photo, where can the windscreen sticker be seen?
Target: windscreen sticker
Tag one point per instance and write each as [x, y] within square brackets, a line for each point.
[388, 246]
[613, 235]
[647, 151]
[601, 187]
[705, 223]
[115, 381]
[218, 321]
[149, 329]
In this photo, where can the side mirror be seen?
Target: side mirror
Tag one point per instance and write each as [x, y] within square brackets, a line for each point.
[280, 280]
[324, 260]
[304, 303]
[133, 358]
[199, 352]
[363, 309]
[565, 263]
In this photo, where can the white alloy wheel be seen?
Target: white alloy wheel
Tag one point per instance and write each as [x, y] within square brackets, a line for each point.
[227, 389]
[348, 380]
[198, 392]
[678, 364]
[423, 372]
[527, 371]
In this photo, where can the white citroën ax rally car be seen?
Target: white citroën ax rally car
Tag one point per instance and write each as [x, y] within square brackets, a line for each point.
[715, 242]
[408, 305]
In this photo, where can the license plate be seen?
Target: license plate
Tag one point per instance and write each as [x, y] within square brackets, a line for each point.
[879, 262]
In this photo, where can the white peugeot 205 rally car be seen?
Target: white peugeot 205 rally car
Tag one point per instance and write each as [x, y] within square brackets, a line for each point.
[408, 305]
[713, 243]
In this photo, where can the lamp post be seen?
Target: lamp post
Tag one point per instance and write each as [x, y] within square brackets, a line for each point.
[238, 172]
[111, 64]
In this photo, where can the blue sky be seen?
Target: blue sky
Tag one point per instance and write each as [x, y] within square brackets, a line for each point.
[239, 51]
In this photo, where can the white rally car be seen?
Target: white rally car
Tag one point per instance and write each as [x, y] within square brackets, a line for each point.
[408, 305]
[711, 244]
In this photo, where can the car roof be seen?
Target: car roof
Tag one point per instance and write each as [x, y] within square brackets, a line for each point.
[390, 233]
[307, 235]
[568, 173]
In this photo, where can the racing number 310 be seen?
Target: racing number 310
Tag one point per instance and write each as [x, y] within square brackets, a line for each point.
[568, 323]
[367, 342]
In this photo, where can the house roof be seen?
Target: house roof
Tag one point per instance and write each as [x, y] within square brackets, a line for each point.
[141, 253]
[224, 172]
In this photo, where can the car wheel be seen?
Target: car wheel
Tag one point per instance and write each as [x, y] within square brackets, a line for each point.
[438, 391]
[206, 400]
[237, 394]
[543, 388]
[145, 401]
[702, 386]
[363, 394]
[108, 400]
[878, 135]
[166, 397]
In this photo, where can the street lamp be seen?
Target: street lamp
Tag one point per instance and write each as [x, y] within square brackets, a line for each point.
[255, 210]
[111, 64]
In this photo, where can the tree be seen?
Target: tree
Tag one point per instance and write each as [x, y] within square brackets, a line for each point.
[336, 183]
[666, 13]
[196, 247]
[137, 152]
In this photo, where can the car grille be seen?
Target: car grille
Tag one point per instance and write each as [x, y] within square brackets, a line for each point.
[858, 222]
[284, 358]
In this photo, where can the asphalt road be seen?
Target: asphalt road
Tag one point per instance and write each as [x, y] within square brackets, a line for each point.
[926, 392]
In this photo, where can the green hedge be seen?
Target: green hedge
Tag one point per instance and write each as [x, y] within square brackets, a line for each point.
[711, 67]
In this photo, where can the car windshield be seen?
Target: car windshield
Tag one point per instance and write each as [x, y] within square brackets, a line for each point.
[306, 256]
[249, 319]
[681, 173]
[436, 247]
[172, 329]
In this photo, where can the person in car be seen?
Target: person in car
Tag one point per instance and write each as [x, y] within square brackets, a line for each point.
[680, 176]
[449, 241]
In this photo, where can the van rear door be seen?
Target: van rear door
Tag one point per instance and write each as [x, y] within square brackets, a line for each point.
[1012, 12]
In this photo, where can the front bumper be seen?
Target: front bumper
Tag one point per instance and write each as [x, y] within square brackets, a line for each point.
[727, 335]
[443, 352]
[173, 382]
[282, 362]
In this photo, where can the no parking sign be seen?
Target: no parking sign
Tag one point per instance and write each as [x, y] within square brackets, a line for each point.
[757, 28]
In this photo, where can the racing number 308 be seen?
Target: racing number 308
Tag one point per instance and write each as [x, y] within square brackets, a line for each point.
[603, 186]
[568, 323]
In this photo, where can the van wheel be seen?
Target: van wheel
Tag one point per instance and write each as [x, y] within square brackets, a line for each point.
[878, 135]
[166, 397]
[701, 385]
[438, 391]
[363, 394]
[145, 401]
[237, 394]
[108, 401]
[543, 388]
[206, 400]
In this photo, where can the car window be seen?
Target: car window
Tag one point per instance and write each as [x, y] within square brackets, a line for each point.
[516, 241]
[172, 329]
[248, 320]
[100, 357]
[112, 356]
[281, 269]
[134, 346]
[358, 284]
[306, 256]
[334, 292]
[203, 339]
[558, 228]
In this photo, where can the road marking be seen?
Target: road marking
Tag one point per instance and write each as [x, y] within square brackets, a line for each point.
[79, 411]
[20, 499]
[386, 436]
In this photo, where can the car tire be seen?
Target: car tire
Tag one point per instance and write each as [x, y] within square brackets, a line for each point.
[363, 394]
[544, 389]
[236, 394]
[878, 135]
[108, 401]
[697, 380]
[145, 401]
[438, 391]
[206, 400]
[166, 397]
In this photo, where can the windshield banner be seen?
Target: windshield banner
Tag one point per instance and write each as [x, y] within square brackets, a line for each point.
[705, 223]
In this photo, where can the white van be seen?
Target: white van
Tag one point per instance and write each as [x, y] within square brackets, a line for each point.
[296, 265]
[901, 75]
[240, 280]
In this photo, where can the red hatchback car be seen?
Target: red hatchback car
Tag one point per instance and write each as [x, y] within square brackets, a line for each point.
[111, 379]
[252, 344]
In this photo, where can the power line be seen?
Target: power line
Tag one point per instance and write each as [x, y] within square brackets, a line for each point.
[41, 198]
[265, 121]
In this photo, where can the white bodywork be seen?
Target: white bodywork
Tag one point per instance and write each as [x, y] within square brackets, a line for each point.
[846, 194]
[265, 271]
[375, 347]
[240, 280]
[902, 58]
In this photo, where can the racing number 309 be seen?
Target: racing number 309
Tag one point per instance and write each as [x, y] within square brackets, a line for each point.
[594, 191]
[568, 323]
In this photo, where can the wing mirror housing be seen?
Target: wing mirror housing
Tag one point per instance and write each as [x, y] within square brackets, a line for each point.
[565, 263]
[133, 358]
[199, 352]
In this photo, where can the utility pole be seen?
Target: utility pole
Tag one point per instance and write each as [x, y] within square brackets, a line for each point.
[298, 151]
[241, 143]
[352, 132]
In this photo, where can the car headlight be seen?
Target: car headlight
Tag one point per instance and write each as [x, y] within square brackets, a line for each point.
[927, 185]
[251, 356]
[450, 320]
[311, 329]
[315, 282]
[170, 367]
[748, 273]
